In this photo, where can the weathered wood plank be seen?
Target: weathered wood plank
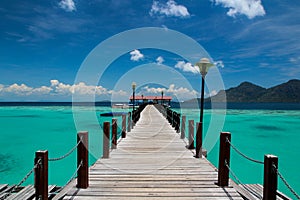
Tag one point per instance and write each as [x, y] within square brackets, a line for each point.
[150, 198]
[254, 191]
[2, 187]
[152, 162]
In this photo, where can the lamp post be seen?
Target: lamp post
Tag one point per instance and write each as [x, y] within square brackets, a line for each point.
[204, 64]
[162, 97]
[133, 93]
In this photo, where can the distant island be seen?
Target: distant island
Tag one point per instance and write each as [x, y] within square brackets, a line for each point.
[247, 92]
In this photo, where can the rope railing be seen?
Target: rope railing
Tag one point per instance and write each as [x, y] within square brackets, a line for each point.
[253, 192]
[286, 183]
[67, 154]
[27, 175]
[70, 180]
[15, 188]
[242, 154]
[271, 172]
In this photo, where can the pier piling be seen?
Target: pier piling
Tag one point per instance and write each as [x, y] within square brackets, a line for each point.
[199, 140]
[83, 160]
[41, 175]
[270, 177]
[123, 126]
[129, 122]
[224, 159]
[191, 135]
[114, 134]
[182, 135]
[106, 139]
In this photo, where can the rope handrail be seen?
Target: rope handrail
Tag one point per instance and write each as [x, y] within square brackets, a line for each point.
[28, 174]
[240, 183]
[22, 181]
[243, 155]
[286, 183]
[68, 153]
[70, 180]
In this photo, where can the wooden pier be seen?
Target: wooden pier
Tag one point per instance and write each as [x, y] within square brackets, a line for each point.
[152, 162]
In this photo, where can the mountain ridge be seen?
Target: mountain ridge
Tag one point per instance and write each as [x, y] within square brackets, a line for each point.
[246, 92]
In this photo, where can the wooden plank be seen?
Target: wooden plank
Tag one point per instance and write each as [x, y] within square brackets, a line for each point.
[150, 198]
[257, 189]
[6, 191]
[152, 162]
[22, 194]
[2, 187]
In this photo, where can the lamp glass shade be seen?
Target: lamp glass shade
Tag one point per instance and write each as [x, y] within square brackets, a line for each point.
[133, 85]
[204, 65]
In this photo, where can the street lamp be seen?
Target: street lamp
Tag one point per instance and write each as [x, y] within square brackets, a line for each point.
[133, 93]
[162, 97]
[204, 64]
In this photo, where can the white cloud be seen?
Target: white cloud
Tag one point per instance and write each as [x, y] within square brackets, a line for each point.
[136, 55]
[213, 93]
[160, 60]
[187, 67]
[82, 89]
[179, 92]
[219, 63]
[170, 9]
[294, 60]
[42, 90]
[250, 8]
[67, 5]
[24, 90]
[153, 90]
[57, 88]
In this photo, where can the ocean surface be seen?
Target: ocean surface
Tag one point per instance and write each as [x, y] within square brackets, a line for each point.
[26, 128]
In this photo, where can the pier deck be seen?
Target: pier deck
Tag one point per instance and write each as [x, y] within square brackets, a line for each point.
[152, 162]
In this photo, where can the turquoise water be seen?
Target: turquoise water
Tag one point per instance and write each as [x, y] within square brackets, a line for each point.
[27, 129]
[256, 133]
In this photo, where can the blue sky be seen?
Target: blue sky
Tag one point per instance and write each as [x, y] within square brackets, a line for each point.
[44, 43]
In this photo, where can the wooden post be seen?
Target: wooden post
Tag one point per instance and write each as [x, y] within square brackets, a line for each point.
[199, 140]
[123, 126]
[191, 135]
[106, 139]
[182, 135]
[83, 157]
[270, 177]
[224, 156]
[178, 123]
[133, 115]
[114, 134]
[172, 118]
[129, 122]
[41, 175]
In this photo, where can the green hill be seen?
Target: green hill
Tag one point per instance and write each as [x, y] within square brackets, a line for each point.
[249, 92]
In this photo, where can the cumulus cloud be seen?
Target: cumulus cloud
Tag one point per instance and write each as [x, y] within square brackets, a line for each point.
[179, 92]
[219, 63]
[136, 55]
[58, 88]
[250, 8]
[82, 89]
[24, 90]
[213, 93]
[159, 60]
[187, 67]
[169, 9]
[294, 59]
[67, 5]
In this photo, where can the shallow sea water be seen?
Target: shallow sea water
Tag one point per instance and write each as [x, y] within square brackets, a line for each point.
[26, 129]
